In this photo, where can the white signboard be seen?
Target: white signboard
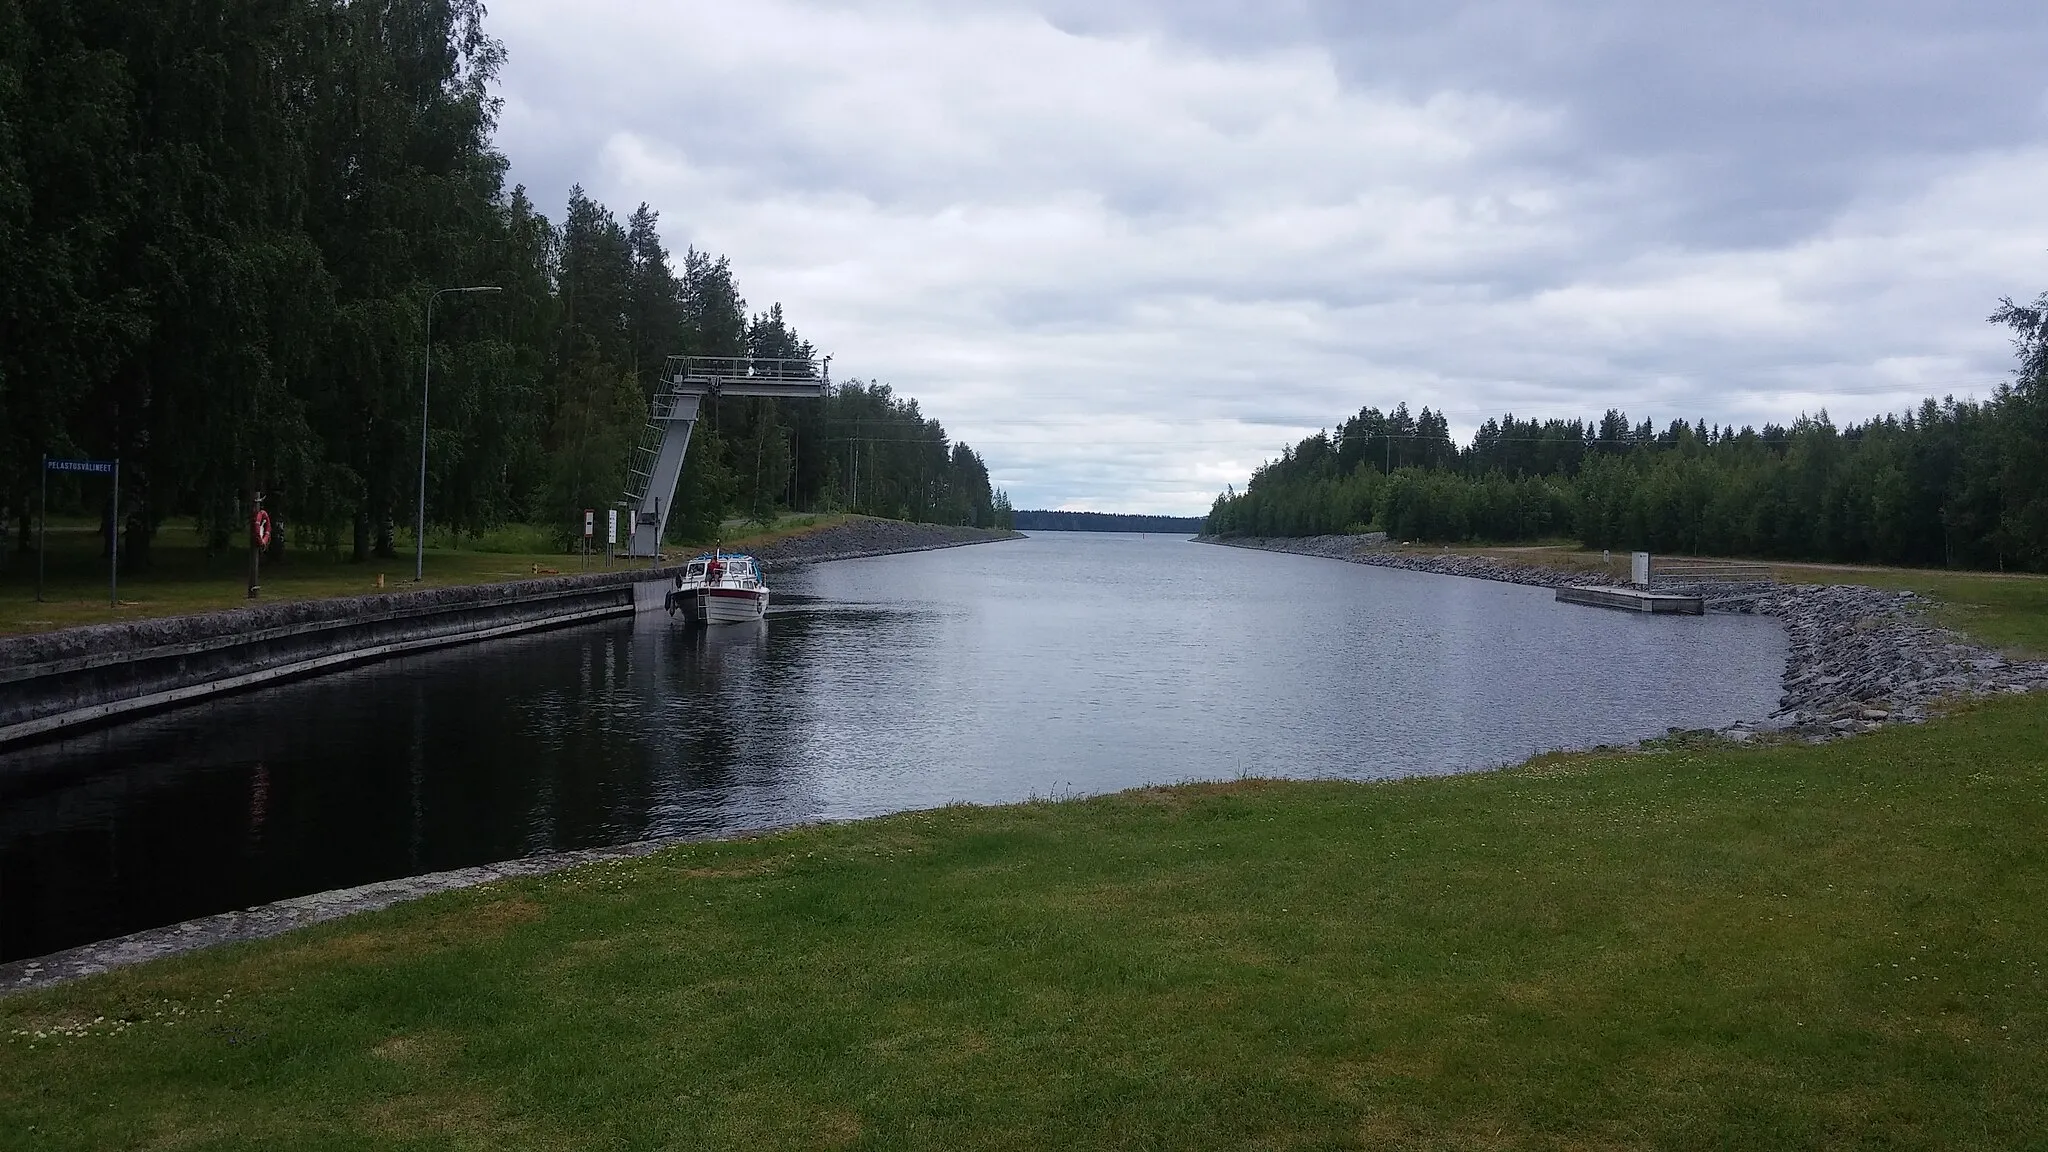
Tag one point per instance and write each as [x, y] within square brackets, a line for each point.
[589, 523]
[612, 532]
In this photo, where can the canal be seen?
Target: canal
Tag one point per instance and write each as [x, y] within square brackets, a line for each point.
[1062, 665]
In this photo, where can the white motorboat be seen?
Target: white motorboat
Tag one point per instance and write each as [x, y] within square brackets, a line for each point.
[719, 588]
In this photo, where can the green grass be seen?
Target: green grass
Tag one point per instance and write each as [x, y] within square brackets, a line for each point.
[2006, 610]
[182, 579]
[1693, 946]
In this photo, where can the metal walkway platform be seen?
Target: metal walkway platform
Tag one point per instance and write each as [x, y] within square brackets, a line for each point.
[1630, 599]
[657, 461]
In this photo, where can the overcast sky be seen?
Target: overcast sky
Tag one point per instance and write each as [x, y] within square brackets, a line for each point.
[1130, 250]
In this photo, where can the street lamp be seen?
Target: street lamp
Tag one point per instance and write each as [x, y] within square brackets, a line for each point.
[419, 540]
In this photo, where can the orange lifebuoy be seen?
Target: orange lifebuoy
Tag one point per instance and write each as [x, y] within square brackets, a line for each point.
[262, 527]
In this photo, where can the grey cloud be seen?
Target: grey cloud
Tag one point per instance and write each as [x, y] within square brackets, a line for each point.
[1761, 118]
[1764, 117]
[1157, 212]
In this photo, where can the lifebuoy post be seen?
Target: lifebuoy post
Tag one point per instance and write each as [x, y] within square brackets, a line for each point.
[259, 536]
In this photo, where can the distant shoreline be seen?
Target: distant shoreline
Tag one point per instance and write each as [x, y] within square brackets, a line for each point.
[1050, 520]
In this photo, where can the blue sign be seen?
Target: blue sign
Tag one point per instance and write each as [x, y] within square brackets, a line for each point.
[100, 466]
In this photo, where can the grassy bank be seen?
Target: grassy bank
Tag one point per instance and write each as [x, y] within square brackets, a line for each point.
[1697, 946]
[2010, 610]
[181, 578]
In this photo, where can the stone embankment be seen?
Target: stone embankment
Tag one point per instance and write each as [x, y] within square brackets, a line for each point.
[1856, 657]
[283, 916]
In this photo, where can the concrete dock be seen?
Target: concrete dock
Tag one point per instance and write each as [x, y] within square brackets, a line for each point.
[1630, 599]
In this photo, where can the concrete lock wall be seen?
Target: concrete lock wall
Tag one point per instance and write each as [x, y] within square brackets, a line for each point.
[62, 680]
[53, 682]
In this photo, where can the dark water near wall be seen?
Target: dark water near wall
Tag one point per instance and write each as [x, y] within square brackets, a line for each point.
[1067, 663]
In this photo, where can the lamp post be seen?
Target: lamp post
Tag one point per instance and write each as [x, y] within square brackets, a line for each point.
[419, 539]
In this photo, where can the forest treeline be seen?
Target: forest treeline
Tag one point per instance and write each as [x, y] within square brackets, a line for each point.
[1955, 483]
[220, 229]
[1044, 520]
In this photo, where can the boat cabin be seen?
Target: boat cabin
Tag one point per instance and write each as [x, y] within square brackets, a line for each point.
[721, 569]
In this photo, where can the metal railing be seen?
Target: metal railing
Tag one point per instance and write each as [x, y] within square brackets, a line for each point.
[1669, 570]
[664, 408]
[719, 368]
[640, 465]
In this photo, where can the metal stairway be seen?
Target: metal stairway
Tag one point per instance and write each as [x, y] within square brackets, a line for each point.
[657, 461]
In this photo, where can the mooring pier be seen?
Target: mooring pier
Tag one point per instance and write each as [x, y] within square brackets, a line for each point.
[1633, 599]
[1681, 586]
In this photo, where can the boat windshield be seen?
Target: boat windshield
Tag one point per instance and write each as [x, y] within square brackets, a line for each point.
[723, 569]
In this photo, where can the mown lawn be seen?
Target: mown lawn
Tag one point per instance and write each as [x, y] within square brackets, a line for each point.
[181, 578]
[1698, 946]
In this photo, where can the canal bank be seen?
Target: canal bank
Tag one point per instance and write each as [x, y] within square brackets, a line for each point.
[977, 675]
[59, 681]
[281, 916]
[1857, 657]
[1518, 958]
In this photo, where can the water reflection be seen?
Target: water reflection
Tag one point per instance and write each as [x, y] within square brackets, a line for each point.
[1062, 664]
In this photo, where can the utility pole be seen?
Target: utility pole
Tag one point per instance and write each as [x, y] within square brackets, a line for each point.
[114, 541]
[43, 528]
[255, 508]
[419, 534]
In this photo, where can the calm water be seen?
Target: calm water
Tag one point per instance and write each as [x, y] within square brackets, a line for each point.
[1063, 664]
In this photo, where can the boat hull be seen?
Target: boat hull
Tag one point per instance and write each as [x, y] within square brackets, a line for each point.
[732, 605]
[719, 605]
[720, 588]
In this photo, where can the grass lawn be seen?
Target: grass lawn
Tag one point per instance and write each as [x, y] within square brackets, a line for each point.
[182, 579]
[1699, 946]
